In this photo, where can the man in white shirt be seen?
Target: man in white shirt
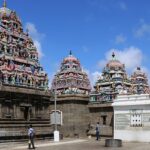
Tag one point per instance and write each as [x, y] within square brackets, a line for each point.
[31, 134]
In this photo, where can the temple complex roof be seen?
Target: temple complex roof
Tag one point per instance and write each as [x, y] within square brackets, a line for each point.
[4, 10]
[19, 62]
[114, 63]
[70, 63]
[71, 79]
[71, 58]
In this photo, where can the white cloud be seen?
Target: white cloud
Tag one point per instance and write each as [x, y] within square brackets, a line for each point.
[103, 62]
[36, 36]
[131, 57]
[120, 39]
[143, 30]
[39, 49]
[93, 76]
[147, 72]
[123, 6]
[51, 77]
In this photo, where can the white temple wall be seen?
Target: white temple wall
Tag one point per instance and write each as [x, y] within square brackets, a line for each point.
[132, 118]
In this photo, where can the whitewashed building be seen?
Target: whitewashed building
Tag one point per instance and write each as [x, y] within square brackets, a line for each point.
[132, 117]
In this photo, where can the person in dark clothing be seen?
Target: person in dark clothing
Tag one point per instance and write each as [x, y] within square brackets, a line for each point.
[97, 131]
[31, 134]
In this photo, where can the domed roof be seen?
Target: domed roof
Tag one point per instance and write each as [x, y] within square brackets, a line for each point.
[71, 79]
[70, 58]
[114, 63]
[139, 72]
[70, 62]
[4, 10]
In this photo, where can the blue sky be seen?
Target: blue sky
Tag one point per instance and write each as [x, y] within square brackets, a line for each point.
[92, 29]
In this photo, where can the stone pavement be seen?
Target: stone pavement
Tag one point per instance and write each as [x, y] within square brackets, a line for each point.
[73, 144]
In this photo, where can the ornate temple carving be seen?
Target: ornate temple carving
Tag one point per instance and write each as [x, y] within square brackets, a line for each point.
[19, 62]
[139, 82]
[71, 79]
[113, 81]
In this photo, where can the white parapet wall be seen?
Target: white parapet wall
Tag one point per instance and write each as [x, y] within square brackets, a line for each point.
[132, 117]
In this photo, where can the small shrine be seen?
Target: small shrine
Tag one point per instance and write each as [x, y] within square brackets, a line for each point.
[139, 82]
[113, 81]
[71, 79]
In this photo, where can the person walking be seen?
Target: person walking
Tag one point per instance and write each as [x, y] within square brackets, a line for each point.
[97, 131]
[31, 134]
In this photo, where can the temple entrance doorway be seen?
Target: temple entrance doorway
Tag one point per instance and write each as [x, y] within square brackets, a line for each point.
[27, 113]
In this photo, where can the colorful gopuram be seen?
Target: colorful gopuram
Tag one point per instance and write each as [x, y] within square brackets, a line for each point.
[71, 79]
[113, 81]
[19, 64]
[24, 95]
[139, 82]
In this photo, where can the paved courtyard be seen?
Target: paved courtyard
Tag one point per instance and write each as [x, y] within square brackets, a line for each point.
[73, 144]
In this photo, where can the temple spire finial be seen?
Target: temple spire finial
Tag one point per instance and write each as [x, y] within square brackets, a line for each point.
[113, 55]
[4, 4]
[138, 68]
[70, 53]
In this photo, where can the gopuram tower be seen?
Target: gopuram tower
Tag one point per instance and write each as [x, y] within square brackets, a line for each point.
[72, 87]
[113, 81]
[139, 82]
[24, 96]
